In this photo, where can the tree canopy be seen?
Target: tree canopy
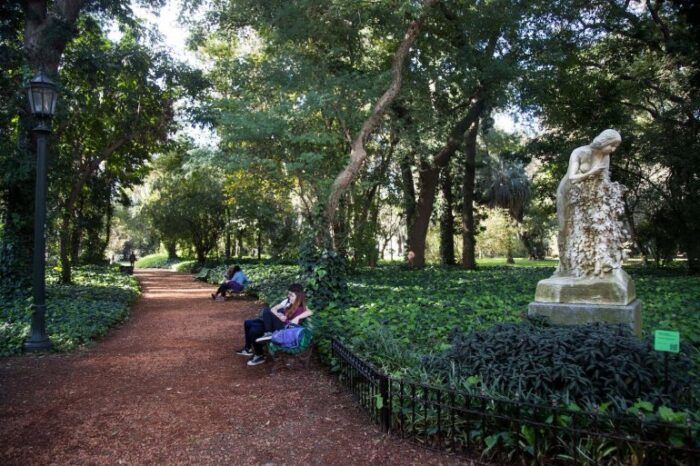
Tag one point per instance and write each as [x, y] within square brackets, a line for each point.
[333, 118]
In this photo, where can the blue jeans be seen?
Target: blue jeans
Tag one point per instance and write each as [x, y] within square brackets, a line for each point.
[255, 328]
[270, 321]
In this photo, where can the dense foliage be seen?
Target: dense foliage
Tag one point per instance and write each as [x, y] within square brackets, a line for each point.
[75, 314]
[293, 82]
[592, 364]
[323, 275]
[398, 316]
[115, 109]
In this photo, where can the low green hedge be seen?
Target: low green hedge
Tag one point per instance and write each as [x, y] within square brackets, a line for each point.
[592, 364]
[75, 314]
[184, 266]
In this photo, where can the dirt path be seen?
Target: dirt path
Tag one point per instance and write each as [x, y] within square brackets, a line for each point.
[167, 388]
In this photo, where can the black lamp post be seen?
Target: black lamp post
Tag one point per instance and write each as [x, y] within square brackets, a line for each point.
[42, 94]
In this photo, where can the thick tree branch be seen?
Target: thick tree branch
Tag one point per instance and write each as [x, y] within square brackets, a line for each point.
[457, 135]
[654, 10]
[47, 32]
[358, 154]
[69, 9]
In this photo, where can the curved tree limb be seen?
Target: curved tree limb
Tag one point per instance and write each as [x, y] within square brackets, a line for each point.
[358, 153]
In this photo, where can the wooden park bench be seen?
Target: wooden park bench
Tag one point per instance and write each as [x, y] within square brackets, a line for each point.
[206, 273]
[230, 294]
[290, 358]
[202, 275]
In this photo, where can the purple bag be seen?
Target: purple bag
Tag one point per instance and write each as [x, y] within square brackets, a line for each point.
[288, 337]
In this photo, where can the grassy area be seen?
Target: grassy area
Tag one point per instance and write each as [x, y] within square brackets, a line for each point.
[76, 314]
[519, 262]
[490, 262]
[159, 261]
[419, 309]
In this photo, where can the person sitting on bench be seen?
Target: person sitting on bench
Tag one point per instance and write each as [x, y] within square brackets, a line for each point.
[292, 310]
[234, 279]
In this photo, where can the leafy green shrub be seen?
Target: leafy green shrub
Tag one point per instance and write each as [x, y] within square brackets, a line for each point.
[592, 364]
[323, 273]
[75, 314]
[184, 266]
[156, 261]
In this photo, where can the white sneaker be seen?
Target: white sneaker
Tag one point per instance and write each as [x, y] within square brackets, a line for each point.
[255, 360]
[265, 337]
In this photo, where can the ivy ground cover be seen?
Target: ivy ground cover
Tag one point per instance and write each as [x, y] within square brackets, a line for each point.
[410, 313]
[416, 310]
[75, 314]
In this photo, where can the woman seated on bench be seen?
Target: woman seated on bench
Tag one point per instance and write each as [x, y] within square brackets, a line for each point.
[234, 279]
[292, 310]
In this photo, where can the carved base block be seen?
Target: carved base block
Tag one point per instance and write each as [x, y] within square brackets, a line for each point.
[617, 289]
[578, 314]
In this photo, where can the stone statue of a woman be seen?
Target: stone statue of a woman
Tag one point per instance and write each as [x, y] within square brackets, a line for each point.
[589, 284]
[589, 210]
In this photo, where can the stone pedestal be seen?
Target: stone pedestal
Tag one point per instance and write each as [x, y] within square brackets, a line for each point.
[577, 313]
[617, 288]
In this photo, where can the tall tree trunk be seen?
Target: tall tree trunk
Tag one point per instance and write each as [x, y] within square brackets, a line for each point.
[227, 245]
[341, 225]
[692, 250]
[409, 194]
[468, 224]
[447, 220]
[259, 244]
[428, 181]
[108, 225]
[239, 243]
[509, 253]
[428, 176]
[373, 258]
[171, 249]
[358, 154]
[64, 248]
[227, 233]
[75, 242]
[76, 229]
[201, 254]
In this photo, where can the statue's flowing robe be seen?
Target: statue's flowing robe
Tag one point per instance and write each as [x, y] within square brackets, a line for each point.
[591, 230]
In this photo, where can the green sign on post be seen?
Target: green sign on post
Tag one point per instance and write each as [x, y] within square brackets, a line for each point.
[667, 340]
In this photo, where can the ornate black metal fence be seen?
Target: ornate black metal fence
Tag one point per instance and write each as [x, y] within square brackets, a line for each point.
[459, 421]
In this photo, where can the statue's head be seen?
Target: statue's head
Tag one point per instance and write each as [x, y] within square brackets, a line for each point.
[607, 139]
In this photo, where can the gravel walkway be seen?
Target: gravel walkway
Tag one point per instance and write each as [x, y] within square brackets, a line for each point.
[166, 388]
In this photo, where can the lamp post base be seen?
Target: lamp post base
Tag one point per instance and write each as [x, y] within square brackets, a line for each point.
[35, 346]
[38, 340]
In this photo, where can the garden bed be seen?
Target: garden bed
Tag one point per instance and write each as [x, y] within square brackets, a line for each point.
[75, 314]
